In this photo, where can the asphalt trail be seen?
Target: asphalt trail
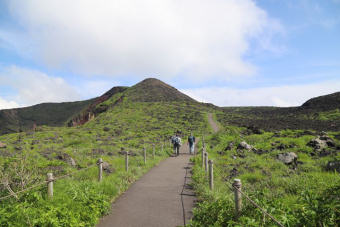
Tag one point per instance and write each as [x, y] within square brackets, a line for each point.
[162, 197]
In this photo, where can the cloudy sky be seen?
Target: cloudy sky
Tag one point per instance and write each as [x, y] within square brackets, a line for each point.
[227, 52]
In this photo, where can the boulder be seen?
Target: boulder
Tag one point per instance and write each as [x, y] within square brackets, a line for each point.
[2, 145]
[71, 162]
[288, 158]
[333, 166]
[107, 167]
[317, 143]
[244, 145]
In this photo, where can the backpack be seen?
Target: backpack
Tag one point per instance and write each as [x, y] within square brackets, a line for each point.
[191, 139]
[177, 141]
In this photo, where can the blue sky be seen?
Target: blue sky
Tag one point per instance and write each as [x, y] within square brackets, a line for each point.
[227, 52]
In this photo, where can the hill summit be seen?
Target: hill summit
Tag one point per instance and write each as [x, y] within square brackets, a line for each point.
[154, 90]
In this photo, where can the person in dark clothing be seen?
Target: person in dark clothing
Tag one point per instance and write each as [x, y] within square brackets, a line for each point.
[177, 142]
[191, 142]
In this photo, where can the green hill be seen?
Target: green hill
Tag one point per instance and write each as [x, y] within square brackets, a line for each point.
[128, 121]
[131, 118]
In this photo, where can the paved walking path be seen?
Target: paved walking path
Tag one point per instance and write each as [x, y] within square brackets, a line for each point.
[161, 197]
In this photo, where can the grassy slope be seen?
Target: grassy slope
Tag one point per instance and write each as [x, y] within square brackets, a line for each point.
[306, 196]
[52, 114]
[147, 114]
[81, 200]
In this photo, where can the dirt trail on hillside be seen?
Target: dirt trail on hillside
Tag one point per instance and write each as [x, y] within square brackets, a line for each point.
[162, 197]
[212, 123]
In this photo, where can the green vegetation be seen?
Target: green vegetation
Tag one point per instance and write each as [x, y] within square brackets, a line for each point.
[329, 115]
[129, 119]
[302, 195]
[80, 200]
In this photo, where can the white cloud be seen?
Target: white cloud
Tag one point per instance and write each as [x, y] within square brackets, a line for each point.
[95, 88]
[33, 87]
[198, 38]
[289, 95]
[4, 104]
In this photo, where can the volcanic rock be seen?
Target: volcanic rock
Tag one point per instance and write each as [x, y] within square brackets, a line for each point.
[71, 162]
[2, 145]
[288, 158]
[67, 158]
[244, 145]
[282, 147]
[318, 143]
[107, 167]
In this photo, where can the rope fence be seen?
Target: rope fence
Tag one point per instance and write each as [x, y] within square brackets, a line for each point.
[50, 179]
[235, 187]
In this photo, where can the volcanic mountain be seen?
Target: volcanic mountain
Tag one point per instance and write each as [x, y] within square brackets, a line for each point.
[320, 113]
[78, 113]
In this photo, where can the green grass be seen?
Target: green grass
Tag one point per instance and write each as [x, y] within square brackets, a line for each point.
[81, 200]
[305, 196]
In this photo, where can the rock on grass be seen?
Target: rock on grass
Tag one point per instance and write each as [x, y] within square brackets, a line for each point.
[288, 158]
[2, 145]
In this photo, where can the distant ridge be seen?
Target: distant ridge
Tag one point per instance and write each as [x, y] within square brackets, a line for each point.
[325, 102]
[52, 114]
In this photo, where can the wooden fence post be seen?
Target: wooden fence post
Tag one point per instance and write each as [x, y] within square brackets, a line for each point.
[162, 147]
[153, 150]
[206, 162]
[203, 151]
[238, 196]
[100, 168]
[126, 161]
[50, 185]
[211, 174]
[144, 155]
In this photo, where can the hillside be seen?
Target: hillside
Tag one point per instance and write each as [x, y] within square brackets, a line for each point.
[127, 123]
[78, 113]
[286, 173]
[323, 103]
[51, 114]
[320, 113]
[129, 119]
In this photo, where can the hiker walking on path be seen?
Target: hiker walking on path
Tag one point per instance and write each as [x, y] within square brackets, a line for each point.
[177, 142]
[191, 142]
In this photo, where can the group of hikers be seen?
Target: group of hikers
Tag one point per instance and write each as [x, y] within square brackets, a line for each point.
[177, 143]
